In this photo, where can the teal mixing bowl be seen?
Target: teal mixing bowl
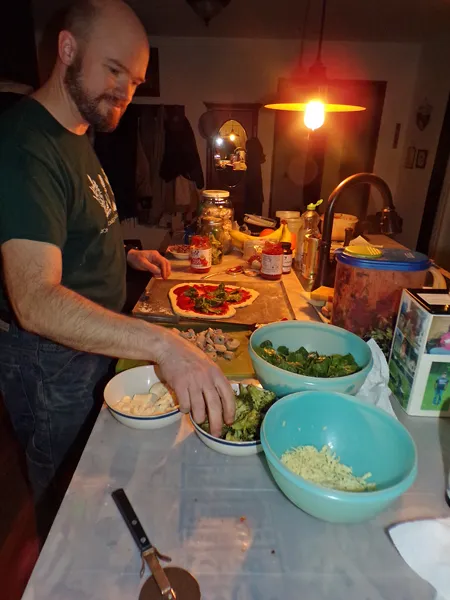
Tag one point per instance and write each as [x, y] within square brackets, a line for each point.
[364, 437]
[319, 337]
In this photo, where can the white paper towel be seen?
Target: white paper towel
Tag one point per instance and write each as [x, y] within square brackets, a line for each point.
[375, 389]
[425, 547]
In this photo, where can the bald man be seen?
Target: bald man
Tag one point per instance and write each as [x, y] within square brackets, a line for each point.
[63, 256]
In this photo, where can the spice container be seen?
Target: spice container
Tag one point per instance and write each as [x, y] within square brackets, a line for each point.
[287, 257]
[217, 204]
[212, 228]
[272, 261]
[200, 254]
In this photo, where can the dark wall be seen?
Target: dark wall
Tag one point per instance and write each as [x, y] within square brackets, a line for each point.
[18, 60]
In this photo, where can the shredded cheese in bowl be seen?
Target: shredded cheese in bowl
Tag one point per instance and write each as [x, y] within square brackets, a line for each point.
[324, 468]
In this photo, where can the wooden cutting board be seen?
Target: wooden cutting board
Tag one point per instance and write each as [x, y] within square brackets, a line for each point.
[239, 368]
[271, 305]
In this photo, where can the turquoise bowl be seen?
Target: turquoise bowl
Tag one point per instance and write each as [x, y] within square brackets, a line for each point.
[364, 437]
[319, 337]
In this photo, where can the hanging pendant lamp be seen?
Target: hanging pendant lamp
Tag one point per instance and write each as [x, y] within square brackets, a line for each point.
[315, 96]
[207, 9]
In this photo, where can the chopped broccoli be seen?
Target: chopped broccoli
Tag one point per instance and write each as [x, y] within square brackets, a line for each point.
[266, 344]
[284, 350]
[251, 405]
[261, 399]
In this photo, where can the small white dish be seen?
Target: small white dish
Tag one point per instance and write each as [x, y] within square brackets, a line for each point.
[136, 381]
[178, 255]
[224, 446]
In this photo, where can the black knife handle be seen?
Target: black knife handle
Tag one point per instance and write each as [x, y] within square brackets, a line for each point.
[131, 520]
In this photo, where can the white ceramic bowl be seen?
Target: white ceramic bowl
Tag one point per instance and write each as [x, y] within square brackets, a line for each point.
[224, 446]
[136, 381]
[178, 255]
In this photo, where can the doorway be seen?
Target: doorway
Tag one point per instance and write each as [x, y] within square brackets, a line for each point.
[439, 246]
[309, 165]
[434, 235]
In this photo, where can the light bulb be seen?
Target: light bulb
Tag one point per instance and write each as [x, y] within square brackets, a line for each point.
[219, 141]
[314, 114]
[232, 137]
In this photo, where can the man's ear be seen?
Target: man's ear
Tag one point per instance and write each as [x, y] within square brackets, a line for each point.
[67, 47]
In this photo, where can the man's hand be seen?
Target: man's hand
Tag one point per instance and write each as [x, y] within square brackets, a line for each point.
[149, 260]
[199, 384]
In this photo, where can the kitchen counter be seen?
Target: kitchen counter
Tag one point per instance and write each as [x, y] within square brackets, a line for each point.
[225, 520]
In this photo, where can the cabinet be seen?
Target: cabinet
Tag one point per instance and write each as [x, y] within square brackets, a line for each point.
[234, 155]
[18, 57]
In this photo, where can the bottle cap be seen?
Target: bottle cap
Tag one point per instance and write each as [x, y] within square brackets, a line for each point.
[312, 206]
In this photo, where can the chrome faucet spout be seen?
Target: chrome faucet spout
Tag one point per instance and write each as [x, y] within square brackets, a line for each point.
[390, 221]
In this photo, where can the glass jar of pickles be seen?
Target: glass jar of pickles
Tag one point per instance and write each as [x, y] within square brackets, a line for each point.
[212, 228]
[217, 204]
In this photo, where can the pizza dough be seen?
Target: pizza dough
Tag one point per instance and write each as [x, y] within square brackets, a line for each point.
[184, 306]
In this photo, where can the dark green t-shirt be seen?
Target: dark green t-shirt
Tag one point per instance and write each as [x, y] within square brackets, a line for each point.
[53, 189]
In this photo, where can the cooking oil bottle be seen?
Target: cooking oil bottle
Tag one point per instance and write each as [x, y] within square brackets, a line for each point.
[309, 257]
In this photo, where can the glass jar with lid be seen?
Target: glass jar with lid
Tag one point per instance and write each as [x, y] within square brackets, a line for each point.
[200, 254]
[212, 228]
[272, 261]
[217, 204]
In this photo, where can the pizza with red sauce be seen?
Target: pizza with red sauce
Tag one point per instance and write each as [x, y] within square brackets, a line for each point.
[209, 300]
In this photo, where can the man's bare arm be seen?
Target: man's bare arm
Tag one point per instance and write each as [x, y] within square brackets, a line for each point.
[33, 272]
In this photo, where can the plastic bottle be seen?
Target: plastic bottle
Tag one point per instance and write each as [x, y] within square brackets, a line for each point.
[311, 219]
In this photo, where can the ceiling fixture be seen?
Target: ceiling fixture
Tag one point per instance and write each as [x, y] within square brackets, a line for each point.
[207, 9]
[318, 96]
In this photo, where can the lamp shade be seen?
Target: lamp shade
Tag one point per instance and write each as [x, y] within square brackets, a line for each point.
[297, 96]
[207, 9]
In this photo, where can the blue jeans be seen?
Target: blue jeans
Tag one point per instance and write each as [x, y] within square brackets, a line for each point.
[53, 395]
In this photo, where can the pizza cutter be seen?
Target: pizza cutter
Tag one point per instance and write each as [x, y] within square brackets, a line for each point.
[172, 583]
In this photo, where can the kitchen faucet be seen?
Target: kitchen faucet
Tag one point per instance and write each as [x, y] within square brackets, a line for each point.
[391, 223]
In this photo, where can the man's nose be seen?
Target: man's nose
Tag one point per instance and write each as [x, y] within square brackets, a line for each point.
[125, 92]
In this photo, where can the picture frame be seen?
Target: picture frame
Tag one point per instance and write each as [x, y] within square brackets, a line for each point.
[410, 159]
[421, 159]
[151, 87]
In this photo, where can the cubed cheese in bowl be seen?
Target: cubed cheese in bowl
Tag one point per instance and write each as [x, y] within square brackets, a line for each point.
[137, 398]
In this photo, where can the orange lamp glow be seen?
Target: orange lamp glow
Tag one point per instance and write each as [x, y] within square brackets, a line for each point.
[314, 114]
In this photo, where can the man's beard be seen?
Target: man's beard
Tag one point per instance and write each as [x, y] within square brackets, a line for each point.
[89, 106]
